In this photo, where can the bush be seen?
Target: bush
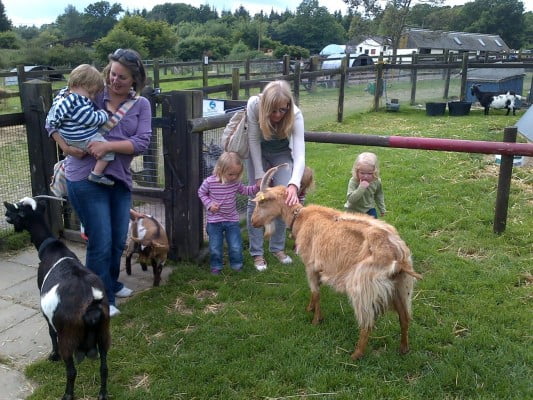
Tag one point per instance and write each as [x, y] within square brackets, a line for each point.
[9, 40]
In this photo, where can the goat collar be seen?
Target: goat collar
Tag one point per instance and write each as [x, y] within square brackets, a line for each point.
[295, 214]
[53, 266]
[44, 244]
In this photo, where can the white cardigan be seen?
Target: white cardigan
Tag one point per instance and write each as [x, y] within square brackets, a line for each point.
[296, 142]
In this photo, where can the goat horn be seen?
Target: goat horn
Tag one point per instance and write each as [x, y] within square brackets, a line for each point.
[266, 178]
[45, 196]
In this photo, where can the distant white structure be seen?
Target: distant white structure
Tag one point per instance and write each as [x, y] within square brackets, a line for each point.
[332, 49]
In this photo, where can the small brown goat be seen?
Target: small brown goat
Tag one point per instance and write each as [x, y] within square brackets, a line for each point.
[149, 240]
[353, 253]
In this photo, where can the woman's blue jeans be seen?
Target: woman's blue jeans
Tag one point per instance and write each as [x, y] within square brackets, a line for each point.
[216, 232]
[104, 213]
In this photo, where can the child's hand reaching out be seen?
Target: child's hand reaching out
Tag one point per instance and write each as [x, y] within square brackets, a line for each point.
[214, 207]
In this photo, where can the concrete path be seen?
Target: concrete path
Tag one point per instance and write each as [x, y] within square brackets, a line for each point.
[24, 334]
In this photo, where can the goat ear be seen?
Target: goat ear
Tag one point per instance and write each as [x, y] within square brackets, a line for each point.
[9, 206]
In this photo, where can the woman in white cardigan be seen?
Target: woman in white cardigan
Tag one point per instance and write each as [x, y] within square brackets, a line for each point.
[276, 136]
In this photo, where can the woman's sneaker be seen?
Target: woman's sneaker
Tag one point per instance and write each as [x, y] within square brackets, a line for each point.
[282, 257]
[113, 311]
[124, 292]
[260, 263]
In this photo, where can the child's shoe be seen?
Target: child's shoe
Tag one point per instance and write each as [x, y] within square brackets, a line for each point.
[260, 263]
[101, 179]
[237, 268]
[282, 257]
[215, 271]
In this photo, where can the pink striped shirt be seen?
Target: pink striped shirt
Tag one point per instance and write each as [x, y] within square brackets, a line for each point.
[225, 195]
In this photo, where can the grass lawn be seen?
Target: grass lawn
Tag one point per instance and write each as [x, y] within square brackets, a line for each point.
[247, 336]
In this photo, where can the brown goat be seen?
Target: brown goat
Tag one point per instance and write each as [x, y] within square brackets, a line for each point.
[149, 240]
[353, 253]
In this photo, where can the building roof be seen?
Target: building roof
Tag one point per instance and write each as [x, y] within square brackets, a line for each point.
[494, 74]
[457, 41]
[332, 49]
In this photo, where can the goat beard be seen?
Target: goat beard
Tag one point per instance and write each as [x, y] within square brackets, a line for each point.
[270, 228]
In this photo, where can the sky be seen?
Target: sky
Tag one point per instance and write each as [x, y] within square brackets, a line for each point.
[38, 12]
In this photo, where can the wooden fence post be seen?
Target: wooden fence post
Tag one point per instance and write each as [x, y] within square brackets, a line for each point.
[464, 76]
[156, 74]
[504, 183]
[414, 73]
[448, 59]
[235, 83]
[182, 154]
[247, 76]
[286, 64]
[205, 72]
[379, 83]
[36, 98]
[296, 83]
[342, 84]
[313, 67]
[21, 78]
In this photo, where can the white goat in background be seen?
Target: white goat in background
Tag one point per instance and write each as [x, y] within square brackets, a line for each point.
[353, 253]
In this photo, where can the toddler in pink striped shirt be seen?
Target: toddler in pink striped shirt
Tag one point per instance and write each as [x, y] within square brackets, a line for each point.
[218, 194]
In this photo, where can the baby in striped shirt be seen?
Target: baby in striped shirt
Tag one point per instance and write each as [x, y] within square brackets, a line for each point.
[218, 194]
[75, 117]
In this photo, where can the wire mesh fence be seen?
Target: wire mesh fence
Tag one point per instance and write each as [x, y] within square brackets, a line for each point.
[15, 176]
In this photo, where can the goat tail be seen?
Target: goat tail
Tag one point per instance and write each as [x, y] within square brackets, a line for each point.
[370, 290]
[93, 317]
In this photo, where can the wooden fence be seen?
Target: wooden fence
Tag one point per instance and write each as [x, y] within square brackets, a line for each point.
[182, 128]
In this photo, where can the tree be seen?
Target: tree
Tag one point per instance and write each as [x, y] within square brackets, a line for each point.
[9, 40]
[498, 17]
[70, 22]
[394, 16]
[119, 38]
[5, 23]
[313, 27]
[99, 19]
[195, 47]
[156, 34]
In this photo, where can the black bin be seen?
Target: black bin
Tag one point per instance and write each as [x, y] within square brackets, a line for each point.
[434, 109]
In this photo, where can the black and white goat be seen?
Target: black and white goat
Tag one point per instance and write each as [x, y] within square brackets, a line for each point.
[73, 299]
[496, 100]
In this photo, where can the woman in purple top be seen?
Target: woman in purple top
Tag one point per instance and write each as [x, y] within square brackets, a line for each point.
[104, 210]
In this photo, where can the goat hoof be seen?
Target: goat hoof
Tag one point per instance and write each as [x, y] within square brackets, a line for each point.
[67, 397]
[317, 321]
[54, 357]
[102, 396]
[357, 355]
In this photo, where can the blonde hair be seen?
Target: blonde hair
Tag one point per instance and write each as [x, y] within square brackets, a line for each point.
[87, 77]
[308, 182]
[275, 94]
[224, 162]
[366, 159]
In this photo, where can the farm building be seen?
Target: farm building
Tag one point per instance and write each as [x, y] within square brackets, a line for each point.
[424, 41]
[372, 46]
[495, 80]
[334, 61]
[332, 49]
[13, 80]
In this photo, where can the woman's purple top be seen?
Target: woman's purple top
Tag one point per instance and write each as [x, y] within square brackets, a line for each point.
[135, 126]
